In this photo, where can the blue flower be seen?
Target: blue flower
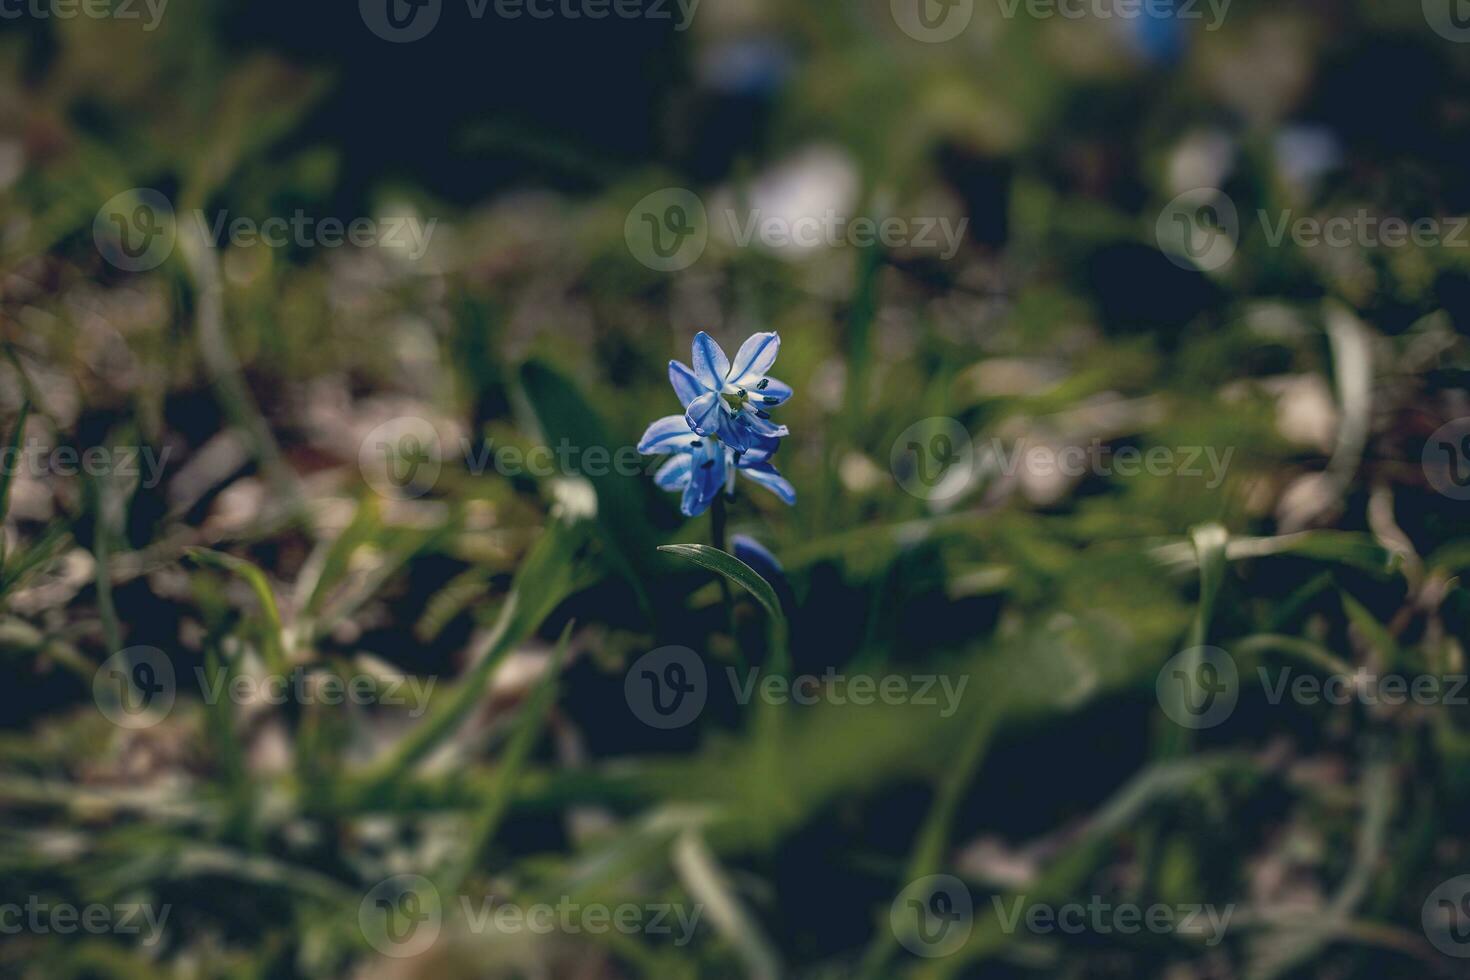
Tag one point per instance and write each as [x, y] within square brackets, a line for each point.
[731, 401]
[700, 466]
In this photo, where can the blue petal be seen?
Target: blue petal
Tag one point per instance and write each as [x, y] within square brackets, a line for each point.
[693, 502]
[754, 554]
[735, 431]
[755, 357]
[668, 435]
[761, 448]
[706, 478]
[686, 385]
[766, 392]
[758, 557]
[674, 475]
[710, 363]
[748, 431]
[765, 427]
[704, 415]
[765, 474]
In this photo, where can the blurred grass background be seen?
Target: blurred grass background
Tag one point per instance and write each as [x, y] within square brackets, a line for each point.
[529, 320]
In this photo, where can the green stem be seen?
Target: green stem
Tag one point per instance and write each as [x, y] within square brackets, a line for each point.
[717, 519]
[717, 522]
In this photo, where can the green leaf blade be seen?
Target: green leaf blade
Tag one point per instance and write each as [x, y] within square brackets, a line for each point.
[735, 570]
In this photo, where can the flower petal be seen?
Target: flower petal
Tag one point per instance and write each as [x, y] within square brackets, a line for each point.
[765, 392]
[706, 477]
[765, 474]
[668, 435]
[736, 431]
[755, 357]
[756, 555]
[760, 448]
[704, 414]
[674, 475]
[710, 363]
[686, 385]
[765, 427]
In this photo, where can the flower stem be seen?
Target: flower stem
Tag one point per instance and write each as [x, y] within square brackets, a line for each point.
[717, 522]
[717, 538]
